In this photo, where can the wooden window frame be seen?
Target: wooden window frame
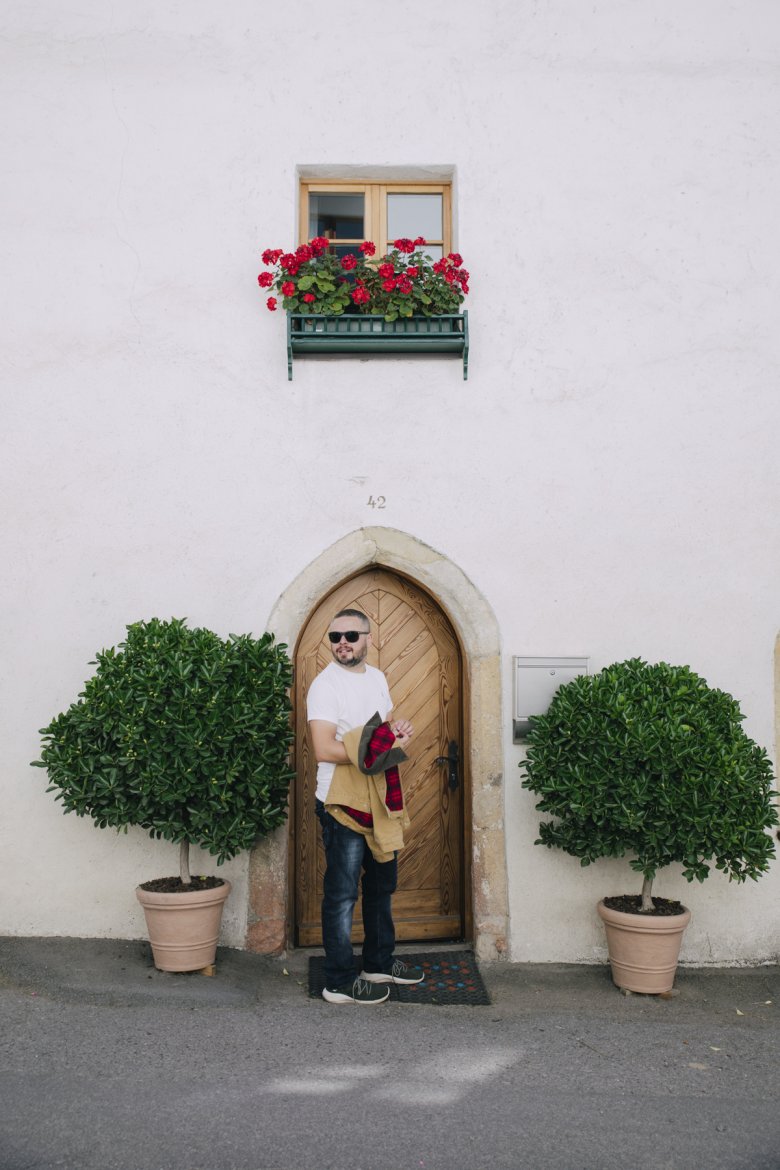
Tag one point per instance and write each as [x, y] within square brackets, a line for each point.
[375, 208]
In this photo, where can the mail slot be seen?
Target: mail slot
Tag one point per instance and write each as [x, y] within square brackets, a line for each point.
[535, 683]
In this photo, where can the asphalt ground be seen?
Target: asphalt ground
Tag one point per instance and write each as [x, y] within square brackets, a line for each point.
[109, 1064]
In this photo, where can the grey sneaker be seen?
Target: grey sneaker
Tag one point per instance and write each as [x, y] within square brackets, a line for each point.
[399, 973]
[358, 992]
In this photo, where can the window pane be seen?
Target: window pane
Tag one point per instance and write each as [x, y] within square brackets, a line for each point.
[435, 251]
[336, 216]
[414, 215]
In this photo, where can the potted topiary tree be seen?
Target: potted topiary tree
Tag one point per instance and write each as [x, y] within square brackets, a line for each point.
[188, 736]
[650, 762]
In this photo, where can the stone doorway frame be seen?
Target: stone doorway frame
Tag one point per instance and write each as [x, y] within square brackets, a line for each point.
[476, 627]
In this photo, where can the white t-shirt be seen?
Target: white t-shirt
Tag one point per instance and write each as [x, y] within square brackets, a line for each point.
[348, 699]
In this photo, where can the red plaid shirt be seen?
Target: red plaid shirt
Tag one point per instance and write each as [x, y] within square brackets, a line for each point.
[381, 741]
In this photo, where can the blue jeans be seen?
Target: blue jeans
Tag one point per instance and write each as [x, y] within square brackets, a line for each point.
[346, 854]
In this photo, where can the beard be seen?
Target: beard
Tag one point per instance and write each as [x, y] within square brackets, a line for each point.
[356, 658]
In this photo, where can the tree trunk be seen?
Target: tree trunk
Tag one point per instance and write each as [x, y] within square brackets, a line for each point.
[184, 863]
[647, 901]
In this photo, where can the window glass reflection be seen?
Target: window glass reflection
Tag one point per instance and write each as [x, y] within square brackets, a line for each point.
[414, 215]
[336, 216]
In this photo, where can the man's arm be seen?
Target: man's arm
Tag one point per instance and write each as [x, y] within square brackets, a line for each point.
[327, 749]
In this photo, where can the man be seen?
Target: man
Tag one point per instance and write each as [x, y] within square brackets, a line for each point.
[344, 696]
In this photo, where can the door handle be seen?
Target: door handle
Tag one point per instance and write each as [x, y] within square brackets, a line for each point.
[451, 760]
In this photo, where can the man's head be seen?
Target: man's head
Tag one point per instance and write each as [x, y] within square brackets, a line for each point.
[348, 650]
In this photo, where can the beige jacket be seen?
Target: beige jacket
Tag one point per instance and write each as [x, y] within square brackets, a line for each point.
[355, 786]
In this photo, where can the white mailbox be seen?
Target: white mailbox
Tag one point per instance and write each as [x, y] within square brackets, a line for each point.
[536, 681]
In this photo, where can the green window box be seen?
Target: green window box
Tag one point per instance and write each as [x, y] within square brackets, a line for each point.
[353, 333]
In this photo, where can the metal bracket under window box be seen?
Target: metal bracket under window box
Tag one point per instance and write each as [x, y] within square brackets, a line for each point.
[353, 333]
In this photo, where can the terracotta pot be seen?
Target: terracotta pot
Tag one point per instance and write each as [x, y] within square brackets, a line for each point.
[643, 948]
[184, 928]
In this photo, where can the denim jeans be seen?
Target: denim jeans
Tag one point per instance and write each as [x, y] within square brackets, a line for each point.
[346, 854]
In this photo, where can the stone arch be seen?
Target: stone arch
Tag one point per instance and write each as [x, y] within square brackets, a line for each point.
[477, 628]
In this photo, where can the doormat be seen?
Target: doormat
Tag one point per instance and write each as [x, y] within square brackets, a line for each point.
[451, 978]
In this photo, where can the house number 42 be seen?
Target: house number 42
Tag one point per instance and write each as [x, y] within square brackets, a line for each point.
[376, 502]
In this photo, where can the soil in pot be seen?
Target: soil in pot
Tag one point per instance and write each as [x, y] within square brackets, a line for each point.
[632, 904]
[174, 885]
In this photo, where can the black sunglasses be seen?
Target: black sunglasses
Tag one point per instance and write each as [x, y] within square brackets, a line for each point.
[350, 635]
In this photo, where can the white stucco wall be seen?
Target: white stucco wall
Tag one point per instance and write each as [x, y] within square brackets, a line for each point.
[607, 478]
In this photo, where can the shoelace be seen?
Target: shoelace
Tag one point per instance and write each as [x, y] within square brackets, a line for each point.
[360, 986]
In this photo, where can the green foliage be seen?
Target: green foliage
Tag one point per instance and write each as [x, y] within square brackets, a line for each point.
[322, 280]
[406, 283]
[181, 733]
[650, 761]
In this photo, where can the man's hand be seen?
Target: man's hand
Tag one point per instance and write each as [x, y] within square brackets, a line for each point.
[402, 730]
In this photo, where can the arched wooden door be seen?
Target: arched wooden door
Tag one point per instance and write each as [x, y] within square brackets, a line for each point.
[415, 645]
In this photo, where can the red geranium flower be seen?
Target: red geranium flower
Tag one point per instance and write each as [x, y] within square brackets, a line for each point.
[395, 274]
